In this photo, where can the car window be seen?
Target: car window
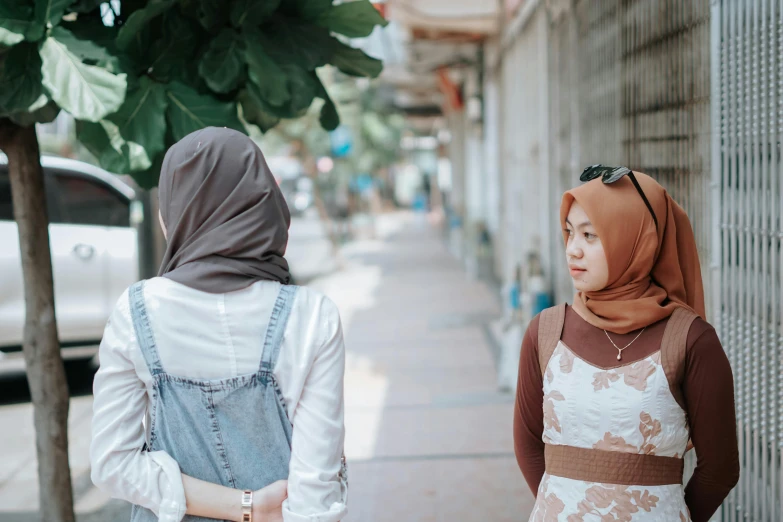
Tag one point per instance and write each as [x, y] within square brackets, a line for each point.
[6, 208]
[6, 199]
[88, 202]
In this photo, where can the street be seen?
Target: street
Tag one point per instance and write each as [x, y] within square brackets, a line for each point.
[428, 434]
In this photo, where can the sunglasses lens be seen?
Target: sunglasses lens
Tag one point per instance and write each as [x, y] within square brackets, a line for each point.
[615, 174]
[590, 173]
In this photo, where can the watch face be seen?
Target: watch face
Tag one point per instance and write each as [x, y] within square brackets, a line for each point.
[247, 500]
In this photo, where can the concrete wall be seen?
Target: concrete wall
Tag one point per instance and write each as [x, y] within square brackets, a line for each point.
[526, 211]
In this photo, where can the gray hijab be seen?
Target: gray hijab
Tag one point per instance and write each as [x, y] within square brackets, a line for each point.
[226, 218]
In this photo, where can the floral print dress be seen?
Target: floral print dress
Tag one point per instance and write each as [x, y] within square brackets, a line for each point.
[628, 408]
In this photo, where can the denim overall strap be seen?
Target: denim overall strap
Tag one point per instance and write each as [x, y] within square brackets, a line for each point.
[276, 328]
[141, 325]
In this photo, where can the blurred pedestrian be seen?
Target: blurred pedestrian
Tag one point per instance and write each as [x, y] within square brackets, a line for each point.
[219, 381]
[611, 388]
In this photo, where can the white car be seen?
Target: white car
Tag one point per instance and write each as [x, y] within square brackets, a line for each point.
[94, 250]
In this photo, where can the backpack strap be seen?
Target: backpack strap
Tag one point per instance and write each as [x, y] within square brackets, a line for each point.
[550, 328]
[674, 346]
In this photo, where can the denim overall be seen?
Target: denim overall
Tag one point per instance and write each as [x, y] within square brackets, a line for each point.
[233, 432]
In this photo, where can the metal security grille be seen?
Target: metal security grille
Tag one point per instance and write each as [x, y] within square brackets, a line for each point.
[665, 96]
[644, 89]
[692, 93]
[598, 51]
[747, 49]
[564, 143]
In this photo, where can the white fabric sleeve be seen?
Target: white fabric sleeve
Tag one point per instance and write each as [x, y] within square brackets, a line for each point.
[119, 466]
[317, 490]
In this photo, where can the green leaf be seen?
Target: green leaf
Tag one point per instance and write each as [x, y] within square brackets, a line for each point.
[95, 139]
[302, 88]
[268, 77]
[354, 62]
[20, 78]
[252, 12]
[87, 92]
[43, 111]
[223, 63]
[9, 38]
[329, 118]
[113, 152]
[139, 19]
[189, 111]
[284, 111]
[148, 179]
[353, 19]
[89, 27]
[211, 14]
[87, 51]
[85, 6]
[101, 49]
[253, 113]
[141, 122]
[17, 23]
[311, 9]
[290, 41]
[48, 13]
[171, 55]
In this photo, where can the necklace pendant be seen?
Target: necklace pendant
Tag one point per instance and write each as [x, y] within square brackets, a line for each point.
[619, 356]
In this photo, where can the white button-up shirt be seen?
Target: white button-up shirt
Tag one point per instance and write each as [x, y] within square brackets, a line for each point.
[216, 336]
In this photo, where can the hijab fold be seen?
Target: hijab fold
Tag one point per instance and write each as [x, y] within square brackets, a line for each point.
[226, 218]
[651, 272]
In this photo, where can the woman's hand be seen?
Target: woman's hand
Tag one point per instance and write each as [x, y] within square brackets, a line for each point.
[268, 502]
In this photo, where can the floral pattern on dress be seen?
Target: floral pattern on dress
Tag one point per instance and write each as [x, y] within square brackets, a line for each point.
[603, 379]
[614, 443]
[636, 375]
[567, 358]
[650, 429]
[550, 416]
[627, 409]
[596, 502]
[613, 503]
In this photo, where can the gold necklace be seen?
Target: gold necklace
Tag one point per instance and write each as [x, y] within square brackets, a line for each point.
[620, 350]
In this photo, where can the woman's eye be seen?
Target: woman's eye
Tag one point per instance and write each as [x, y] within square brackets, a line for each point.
[567, 231]
[590, 236]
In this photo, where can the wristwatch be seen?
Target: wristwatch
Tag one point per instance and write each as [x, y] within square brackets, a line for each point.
[247, 506]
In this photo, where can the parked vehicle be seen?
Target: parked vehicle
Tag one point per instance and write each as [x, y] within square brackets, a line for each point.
[94, 256]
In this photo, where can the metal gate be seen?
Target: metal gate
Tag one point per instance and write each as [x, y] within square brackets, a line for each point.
[692, 93]
[644, 88]
[747, 112]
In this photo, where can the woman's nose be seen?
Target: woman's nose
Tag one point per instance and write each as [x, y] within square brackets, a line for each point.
[573, 250]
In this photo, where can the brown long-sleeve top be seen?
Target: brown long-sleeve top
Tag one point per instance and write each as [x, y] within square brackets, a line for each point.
[708, 390]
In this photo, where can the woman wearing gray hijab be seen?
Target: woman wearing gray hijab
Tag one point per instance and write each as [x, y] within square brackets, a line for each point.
[219, 381]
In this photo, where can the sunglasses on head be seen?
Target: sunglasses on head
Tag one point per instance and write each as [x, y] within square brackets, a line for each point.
[612, 174]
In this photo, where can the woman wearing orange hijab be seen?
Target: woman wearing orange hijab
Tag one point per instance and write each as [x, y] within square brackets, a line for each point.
[612, 388]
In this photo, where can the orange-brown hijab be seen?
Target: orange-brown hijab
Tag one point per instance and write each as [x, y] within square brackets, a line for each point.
[649, 274]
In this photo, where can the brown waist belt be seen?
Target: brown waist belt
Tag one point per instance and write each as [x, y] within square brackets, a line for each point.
[612, 467]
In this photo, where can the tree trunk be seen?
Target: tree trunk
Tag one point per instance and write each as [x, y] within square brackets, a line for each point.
[45, 370]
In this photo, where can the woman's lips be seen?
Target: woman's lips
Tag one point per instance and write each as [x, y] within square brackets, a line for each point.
[576, 271]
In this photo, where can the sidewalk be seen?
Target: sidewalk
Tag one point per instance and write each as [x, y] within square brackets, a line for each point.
[428, 436]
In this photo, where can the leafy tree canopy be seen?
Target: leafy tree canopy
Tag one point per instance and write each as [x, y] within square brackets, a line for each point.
[138, 75]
